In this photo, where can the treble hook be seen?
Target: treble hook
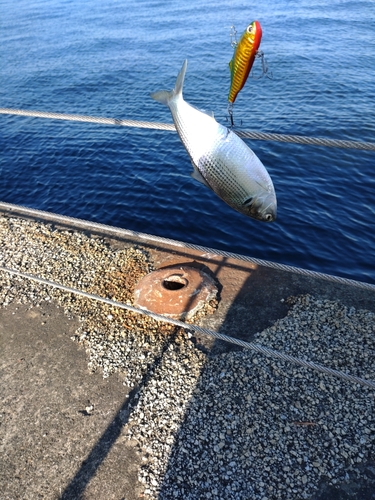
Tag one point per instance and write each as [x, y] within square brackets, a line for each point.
[230, 112]
[233, 37]
[260, 54]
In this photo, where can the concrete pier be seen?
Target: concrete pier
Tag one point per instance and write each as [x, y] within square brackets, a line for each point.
[66, 432]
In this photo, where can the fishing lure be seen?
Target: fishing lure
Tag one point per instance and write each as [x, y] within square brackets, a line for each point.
[245, 52]
[243, 58]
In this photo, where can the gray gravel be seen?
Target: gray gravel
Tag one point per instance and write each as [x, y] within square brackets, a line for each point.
[262, 429]
[233, 426]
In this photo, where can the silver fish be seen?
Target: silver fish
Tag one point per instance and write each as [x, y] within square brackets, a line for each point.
[221, 160]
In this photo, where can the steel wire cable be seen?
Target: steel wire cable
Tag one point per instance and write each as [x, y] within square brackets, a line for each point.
[96, 226]
[187, 326]
[244, 134]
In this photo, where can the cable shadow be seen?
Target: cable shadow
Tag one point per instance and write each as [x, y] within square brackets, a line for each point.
[99, 452]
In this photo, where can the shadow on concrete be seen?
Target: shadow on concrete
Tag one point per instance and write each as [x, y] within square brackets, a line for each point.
[260, 300]
[249, 306]
[46, 430]
[99, 452]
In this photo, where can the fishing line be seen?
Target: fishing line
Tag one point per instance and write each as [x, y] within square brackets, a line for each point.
[233, 44]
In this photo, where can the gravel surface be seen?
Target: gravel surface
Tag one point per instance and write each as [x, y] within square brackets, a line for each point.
[260, 428]
[232, 426]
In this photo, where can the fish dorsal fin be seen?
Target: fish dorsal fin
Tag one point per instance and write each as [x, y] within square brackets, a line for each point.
[198, 176]
[180, 79]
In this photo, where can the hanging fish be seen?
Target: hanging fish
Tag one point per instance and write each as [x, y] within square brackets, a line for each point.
[243, 58]
[221, 160]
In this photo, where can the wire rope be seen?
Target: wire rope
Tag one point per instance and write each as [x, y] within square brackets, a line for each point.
[187, 326]
[244, 134]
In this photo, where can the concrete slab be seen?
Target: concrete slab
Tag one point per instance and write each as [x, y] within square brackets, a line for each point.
[61, 426]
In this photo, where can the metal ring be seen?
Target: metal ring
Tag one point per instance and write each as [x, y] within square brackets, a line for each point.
[176, 291]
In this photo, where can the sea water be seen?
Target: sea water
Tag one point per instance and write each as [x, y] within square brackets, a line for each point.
[104, 58]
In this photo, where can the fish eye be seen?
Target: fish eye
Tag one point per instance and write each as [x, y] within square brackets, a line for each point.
[269, 217]
[249, 29]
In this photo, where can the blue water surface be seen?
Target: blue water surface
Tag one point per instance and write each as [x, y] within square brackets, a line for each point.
[104, 58]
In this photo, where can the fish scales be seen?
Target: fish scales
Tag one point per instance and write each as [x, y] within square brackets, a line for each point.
[213, 155]
[221, 160]
[226, 177]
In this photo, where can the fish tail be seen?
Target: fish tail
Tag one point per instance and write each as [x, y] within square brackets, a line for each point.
[164, 96]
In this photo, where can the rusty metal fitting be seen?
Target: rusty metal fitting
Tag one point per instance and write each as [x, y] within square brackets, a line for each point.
[177, 291]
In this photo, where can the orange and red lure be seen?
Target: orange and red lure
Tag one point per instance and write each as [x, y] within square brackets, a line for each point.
[243, 58]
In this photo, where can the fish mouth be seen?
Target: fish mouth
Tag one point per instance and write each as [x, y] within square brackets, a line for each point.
[261, 208]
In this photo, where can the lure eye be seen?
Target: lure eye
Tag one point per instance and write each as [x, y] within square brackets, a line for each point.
[249, 29]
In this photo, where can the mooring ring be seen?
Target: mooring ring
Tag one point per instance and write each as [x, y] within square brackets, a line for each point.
[177, 292]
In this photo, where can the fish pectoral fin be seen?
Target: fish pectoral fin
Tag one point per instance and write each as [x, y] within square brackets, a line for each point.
[198, 176]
